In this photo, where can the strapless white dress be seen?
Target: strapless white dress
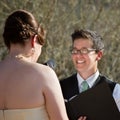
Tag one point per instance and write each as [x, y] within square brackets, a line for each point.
[24, 114]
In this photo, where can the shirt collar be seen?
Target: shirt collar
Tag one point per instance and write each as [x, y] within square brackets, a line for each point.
[90, 80]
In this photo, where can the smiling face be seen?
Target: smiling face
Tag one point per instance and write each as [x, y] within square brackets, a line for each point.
[85, 64]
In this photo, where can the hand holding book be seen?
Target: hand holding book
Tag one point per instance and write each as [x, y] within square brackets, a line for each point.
[96, 103]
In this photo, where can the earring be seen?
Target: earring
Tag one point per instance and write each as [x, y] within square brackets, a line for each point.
[33, 51]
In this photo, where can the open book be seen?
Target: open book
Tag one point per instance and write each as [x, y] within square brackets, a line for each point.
[96, 103]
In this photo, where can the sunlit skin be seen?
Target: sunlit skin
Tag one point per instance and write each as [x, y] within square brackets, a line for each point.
[85, 64]
[82, 118]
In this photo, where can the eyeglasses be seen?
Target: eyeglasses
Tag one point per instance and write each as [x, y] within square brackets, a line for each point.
[82, 51]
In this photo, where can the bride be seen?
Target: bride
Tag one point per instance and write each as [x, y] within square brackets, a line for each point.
[28, 90]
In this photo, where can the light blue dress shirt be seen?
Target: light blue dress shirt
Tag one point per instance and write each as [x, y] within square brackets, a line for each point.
[91, 80]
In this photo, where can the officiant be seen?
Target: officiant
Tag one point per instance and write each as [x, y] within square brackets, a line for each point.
[86, 51]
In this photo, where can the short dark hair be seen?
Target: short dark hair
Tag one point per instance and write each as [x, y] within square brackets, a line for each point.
[20, 26]
[91, 35]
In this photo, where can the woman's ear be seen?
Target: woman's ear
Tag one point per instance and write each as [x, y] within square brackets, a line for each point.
[33, 40]
[99, 55]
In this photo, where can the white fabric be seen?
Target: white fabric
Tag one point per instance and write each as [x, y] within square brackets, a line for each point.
[24, 114]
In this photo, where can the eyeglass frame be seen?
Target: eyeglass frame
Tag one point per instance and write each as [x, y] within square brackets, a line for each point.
[88, 50]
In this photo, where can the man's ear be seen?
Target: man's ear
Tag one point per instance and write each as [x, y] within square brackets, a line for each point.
[99, 55]
[33, 40]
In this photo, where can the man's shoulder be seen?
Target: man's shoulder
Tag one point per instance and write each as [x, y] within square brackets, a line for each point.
[103, 77]
[110, 82]
[71, 77]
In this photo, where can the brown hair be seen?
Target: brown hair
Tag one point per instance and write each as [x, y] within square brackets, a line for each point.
[91, 35]
[20, 26]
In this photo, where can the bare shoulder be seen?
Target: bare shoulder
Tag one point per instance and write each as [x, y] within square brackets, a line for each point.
[45, 72]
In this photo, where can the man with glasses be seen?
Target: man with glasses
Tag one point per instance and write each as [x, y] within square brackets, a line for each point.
[87, 50]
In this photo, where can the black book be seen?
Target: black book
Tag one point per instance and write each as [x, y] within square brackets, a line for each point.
[96, 103]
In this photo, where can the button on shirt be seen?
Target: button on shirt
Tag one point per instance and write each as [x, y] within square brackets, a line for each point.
[91, 80]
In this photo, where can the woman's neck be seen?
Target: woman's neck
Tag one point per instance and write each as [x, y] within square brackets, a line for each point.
[20, 56]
